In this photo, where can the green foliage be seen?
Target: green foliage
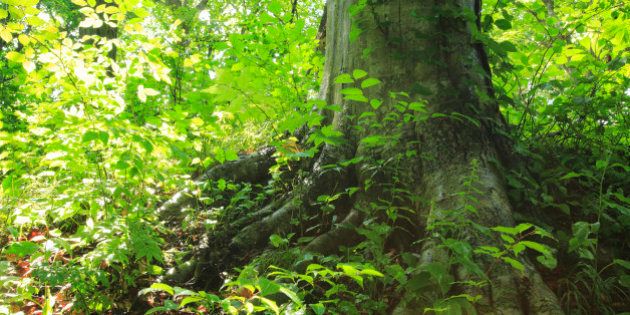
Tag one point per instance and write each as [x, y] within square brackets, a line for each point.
[90, 145]
[97, 129]
[564, 90]
[250, 293]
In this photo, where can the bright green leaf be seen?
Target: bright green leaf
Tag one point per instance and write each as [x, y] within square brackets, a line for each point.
[514, 263]
[344, 78]
[163, 287]
[375, 103]
[22, 249]
[369, 82]
[358, 73]
[351, 91]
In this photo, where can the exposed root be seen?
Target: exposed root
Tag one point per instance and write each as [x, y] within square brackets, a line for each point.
[507, 292]
[257, 233]
[344, 234]
[321, 181]
[181, 273]
[265, 211]
[541, 298]
[253, 168]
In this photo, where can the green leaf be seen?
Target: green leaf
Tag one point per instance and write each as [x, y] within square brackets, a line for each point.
[168, 306]
[351, 91]
[268, 287]
[503, 24]
[375, 103]
[369, 82]
[514, 263]
[221, 184]
[518, 248]
[623, 263]
[270, 304]
[542, 232]
[15, 57]
[570, 175]
[344, 78]
[291, 295]
[348, 270]
[506, 238]
[374, 140]
[351, 272]
[163, 287]
[275, 7]
[179, 292]
[547, 261]
[312, 267]
[22, 249]
[601, 164]
[506, 230]
[417, 106]
[371, 272]
[5, 35]
[487, 250]
[231, 155]
[89, 136]
[508, 46]
[190, 299]
[358, 73]
[537, 247]
[358, 98]
[155, 270]
[276, 240]
[523, 227]
[318, 309]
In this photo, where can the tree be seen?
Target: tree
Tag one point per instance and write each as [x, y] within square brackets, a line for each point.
[425, 136]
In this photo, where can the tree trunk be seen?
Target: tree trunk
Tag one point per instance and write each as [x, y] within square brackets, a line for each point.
[426, 48]
[440, 159]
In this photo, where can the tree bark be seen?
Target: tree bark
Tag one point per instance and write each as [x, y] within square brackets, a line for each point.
[426, 48]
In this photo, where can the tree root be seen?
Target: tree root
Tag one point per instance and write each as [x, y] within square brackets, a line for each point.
[253, 168]
[257, 233]
[344, 234]
[541, 298]
[514, 293]
[321, 181]
[265, 211]
[508, 291]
